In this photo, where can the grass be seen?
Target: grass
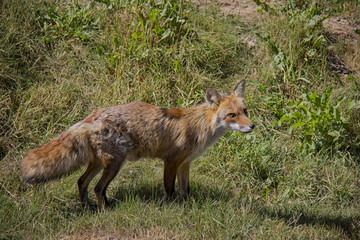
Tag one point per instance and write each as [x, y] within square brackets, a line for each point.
[295, 177]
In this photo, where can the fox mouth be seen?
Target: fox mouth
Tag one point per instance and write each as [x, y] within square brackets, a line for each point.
[247, 129]
[241, 128]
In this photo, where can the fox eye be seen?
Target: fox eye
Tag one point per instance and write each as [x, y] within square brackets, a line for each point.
[231, 115]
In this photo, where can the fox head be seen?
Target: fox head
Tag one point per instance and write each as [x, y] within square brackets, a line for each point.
[230, 111]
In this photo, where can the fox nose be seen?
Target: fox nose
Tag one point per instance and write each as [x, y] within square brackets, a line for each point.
[252, 126]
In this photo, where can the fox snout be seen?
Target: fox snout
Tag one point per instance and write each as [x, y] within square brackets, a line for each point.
[242, 128]
[250, 128]
[246, 129]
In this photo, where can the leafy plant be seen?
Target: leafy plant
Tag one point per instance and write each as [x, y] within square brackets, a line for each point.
[148, 34]
[318, 121]
[166, 20]
[157, 24]
[75, 21]
[304, 45]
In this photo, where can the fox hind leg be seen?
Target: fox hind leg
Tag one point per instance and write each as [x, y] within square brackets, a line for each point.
[111, 146]
[84, 181]
[112, 167]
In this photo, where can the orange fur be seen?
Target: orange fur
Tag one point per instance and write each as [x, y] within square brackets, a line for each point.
[108, 138]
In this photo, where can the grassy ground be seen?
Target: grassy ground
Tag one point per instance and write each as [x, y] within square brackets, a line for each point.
[295, 177]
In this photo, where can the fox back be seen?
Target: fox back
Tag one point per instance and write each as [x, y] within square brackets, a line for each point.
[111, 136]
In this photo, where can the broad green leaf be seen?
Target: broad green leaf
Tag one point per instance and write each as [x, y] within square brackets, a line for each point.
[296, 125]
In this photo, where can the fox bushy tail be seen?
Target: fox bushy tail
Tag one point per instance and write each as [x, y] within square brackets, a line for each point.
[60, 156]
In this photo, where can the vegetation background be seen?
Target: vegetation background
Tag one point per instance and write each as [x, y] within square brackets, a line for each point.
[295, 177]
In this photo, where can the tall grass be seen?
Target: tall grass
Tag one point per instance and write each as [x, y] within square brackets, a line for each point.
[296, 176]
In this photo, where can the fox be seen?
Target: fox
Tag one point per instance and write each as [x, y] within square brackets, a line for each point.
[112, 136]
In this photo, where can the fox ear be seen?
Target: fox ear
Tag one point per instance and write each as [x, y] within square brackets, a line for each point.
[240, 89]
[212, 97]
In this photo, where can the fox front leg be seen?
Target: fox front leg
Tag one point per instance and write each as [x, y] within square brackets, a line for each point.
[183, 179]
[170, 170]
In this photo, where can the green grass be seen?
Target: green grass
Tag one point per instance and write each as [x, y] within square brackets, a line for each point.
[295, 177]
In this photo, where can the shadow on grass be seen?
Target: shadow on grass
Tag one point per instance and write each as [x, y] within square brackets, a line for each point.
[199, 194]
[295, 216]
[150, 192]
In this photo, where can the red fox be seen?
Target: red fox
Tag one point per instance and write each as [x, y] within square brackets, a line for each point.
[111, 136]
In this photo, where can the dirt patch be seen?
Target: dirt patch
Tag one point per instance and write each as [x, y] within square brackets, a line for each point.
[246, 9]
[342, 27]
[343, 59]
